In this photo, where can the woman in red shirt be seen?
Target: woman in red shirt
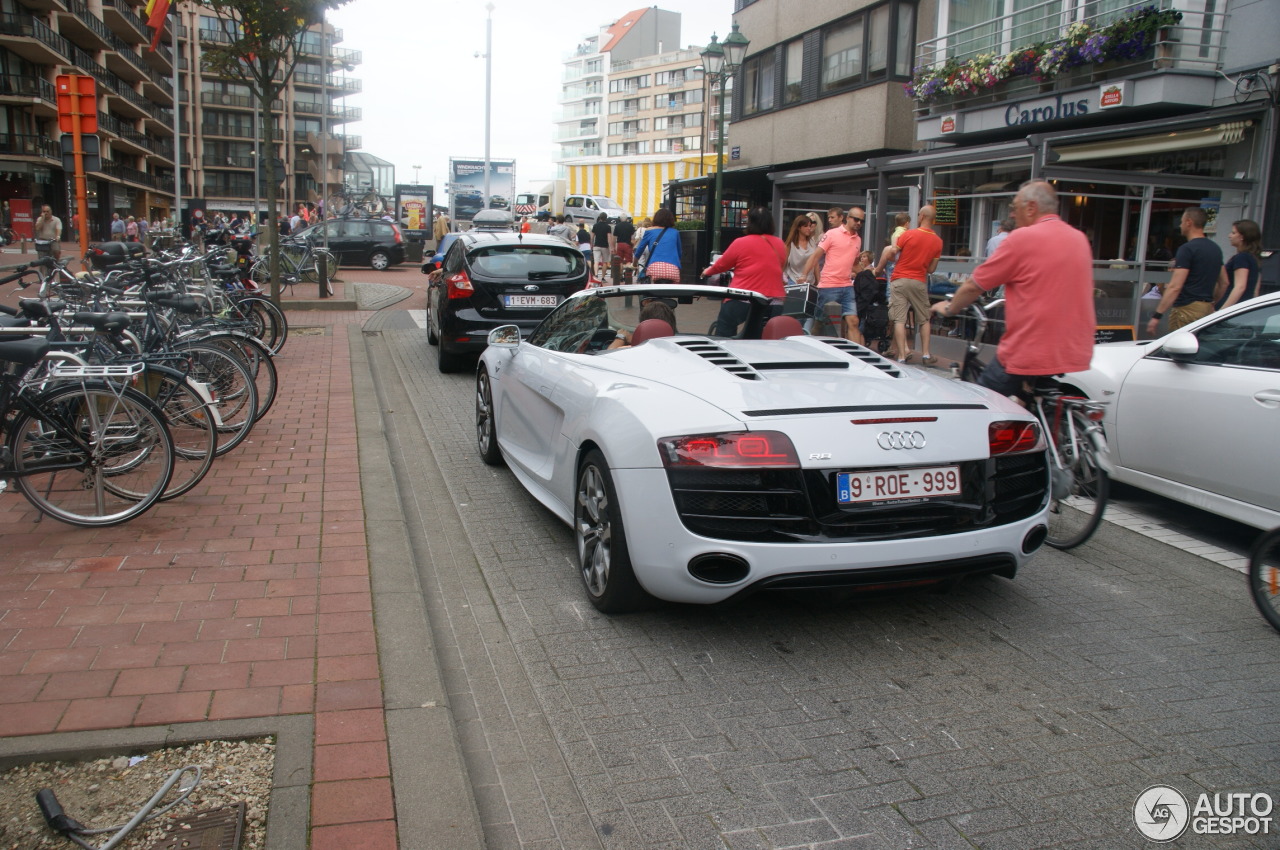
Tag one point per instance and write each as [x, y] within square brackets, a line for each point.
[757, 260]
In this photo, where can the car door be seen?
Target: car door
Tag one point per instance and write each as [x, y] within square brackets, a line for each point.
[356, 241]
[1209, 423]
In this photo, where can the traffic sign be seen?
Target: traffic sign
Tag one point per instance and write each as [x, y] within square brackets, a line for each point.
[90, 148]
[77, 93]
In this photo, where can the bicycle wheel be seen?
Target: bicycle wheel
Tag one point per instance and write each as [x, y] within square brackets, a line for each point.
[257, 359]
[1264, 576]
[1080, 489]
[235, 396]
[91, 455]
[311, 271]
[192, 425]
[266, 321]
[260, 272]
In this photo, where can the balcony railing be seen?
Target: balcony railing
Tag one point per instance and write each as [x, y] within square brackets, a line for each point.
[90, 20]
[32, 27]
[15, 144]
[18, 85]
[1194, 44]
[216, 161]
[129, 15]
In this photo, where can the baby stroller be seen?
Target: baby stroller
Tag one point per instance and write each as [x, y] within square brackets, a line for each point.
[873, 311]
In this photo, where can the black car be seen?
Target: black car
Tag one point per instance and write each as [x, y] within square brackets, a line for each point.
[492, 278]
[360, 241]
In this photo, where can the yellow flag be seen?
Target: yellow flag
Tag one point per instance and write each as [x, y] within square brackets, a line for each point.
[151, 7]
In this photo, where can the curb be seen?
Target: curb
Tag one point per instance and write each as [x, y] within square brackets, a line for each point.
[433, 790]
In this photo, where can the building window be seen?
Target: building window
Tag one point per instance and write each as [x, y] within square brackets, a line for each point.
[794, 71]
[842, 55]
[906, 38]
[758, 83]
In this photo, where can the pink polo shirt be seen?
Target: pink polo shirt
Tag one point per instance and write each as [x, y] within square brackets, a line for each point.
[1047, 272]
[840, 252]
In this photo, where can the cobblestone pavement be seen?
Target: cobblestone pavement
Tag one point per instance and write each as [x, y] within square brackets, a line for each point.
[1002, 714]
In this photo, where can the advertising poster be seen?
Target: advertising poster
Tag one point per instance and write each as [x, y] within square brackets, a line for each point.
[413, 203]
[20, 219]
[466, 186]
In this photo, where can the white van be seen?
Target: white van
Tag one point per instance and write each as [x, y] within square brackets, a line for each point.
[587, 208]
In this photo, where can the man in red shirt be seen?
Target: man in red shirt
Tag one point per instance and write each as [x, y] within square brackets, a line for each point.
[1046, 267]
[918, 253]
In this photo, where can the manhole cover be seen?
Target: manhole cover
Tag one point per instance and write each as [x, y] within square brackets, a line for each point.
[308, 331]
[212, 829]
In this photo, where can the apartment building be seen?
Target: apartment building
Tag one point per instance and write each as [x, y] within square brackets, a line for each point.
[109, 41]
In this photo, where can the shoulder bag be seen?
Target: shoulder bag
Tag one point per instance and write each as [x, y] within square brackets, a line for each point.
[642, 261]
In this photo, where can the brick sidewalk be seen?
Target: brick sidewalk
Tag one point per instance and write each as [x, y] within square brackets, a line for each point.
[248, 597]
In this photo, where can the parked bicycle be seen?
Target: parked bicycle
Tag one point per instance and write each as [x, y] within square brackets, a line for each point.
[299, 261]
[1072, 425]
[349, 202]
[1264, 576]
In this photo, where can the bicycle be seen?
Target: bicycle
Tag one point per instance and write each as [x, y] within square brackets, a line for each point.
[299, 260]
[1264, 576]
[346, 202]
[1072, 426]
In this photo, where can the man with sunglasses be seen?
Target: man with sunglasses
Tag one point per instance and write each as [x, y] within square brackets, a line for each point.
[837, 252]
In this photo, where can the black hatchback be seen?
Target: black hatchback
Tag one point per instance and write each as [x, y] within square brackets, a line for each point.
[489, 279]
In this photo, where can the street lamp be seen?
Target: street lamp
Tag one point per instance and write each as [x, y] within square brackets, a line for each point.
[721, 62]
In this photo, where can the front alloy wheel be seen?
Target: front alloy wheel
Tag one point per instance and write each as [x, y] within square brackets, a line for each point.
[603, 560]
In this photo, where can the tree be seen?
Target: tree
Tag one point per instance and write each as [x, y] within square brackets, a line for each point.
[260, 45]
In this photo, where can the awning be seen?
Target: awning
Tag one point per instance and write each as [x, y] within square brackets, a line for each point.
[1200, 137]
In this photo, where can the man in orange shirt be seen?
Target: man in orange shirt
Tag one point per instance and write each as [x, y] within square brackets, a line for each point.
[918, 253]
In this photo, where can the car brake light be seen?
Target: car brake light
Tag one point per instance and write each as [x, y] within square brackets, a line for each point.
[738, 449]
[1008, 437]
[396, 230]
[459, 285]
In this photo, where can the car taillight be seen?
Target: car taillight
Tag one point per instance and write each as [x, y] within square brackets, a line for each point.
[396, 230]
[1009, 438]
[459, 285]
[734, 450]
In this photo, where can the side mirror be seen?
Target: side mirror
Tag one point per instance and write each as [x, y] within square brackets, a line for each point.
[1181, 346]
[505, 336]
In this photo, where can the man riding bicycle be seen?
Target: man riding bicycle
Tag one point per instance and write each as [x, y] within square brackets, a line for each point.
[1046, 267]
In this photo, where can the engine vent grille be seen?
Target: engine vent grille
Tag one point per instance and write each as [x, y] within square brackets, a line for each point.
[713, 353]
[864, 354]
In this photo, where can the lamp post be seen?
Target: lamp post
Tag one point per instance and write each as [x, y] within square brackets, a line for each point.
[488, 94]
[721, 62]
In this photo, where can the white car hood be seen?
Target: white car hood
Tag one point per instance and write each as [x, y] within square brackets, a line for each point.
[758, 379]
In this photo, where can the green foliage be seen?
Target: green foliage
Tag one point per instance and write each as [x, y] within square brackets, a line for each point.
[691, 224]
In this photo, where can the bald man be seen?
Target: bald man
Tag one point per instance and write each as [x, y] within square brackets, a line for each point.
[918, 253]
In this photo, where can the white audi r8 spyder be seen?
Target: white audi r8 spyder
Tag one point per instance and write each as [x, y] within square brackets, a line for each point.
[699, 467]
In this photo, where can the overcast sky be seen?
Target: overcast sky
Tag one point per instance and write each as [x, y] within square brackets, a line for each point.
[423, 97]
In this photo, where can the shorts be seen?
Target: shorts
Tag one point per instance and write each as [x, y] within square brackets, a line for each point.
[842, 295]
[624, 252]
[904, 294]
[994, 377]
[1188, 313]
[662, 272]
[601, 255]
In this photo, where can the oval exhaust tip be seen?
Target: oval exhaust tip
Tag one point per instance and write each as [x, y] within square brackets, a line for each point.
[1034, 539]
[719, 568]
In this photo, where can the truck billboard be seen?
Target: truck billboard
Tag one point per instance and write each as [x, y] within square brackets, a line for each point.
[466, 186]
[413, 209]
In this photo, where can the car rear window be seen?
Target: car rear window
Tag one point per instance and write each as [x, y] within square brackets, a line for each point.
[532, 262]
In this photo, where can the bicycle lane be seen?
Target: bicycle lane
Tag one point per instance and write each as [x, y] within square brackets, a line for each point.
[248, 598]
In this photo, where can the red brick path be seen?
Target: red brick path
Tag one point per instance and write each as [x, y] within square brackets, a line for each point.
[248, 597]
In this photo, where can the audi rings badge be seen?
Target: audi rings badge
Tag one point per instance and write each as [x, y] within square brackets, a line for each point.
[900, 440]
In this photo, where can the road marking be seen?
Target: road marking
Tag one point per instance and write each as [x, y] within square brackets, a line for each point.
[1150, 526]
[419, 316]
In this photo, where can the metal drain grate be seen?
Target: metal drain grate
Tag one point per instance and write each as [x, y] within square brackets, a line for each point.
[212, 829]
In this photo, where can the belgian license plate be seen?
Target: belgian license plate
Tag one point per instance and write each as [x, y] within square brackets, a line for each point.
[882, 485]
[530, 300]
